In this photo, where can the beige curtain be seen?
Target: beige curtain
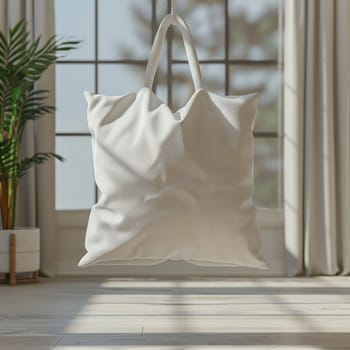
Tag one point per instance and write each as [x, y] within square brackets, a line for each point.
[36, 197]
[317, 137]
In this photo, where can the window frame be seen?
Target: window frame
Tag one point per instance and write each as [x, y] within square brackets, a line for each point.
[272, 216]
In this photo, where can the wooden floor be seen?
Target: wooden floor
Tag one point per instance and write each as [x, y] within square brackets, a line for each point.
[109, 313]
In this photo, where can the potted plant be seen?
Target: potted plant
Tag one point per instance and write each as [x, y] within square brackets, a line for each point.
[22, 63]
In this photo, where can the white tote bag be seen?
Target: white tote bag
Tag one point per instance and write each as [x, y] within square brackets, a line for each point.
[174, 185]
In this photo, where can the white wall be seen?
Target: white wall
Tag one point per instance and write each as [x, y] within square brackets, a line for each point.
[71, 226]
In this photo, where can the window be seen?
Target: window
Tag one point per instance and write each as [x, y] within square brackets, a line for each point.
[239, 48]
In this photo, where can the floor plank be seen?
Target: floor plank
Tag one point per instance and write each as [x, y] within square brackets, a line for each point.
[110, 313]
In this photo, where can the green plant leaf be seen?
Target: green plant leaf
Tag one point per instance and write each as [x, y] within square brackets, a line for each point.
[36, 159]
[22, 64]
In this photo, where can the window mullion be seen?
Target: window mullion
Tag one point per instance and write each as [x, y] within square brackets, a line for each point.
[227, 41]
[169, 62]
[96, 70]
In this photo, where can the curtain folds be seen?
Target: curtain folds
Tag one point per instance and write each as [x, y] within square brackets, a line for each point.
[317, 137]
[36, 196]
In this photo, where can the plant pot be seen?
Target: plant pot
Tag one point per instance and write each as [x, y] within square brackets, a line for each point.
[27, 249]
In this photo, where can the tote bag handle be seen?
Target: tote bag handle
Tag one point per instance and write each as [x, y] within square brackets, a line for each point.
[154, 59]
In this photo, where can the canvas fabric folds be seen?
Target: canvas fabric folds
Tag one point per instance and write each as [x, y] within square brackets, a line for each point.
[173, 185]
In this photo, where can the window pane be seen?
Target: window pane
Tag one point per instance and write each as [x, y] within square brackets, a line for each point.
[120, 79]
[71, 81]
[253, 29]
[75, 185]
[162, 75]
[75, 20]
[267, 169]
[124, 29]
[207, 25]
[161, 9]
[267, 81]
[182, 85]
[213, 77]
[162, 93]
